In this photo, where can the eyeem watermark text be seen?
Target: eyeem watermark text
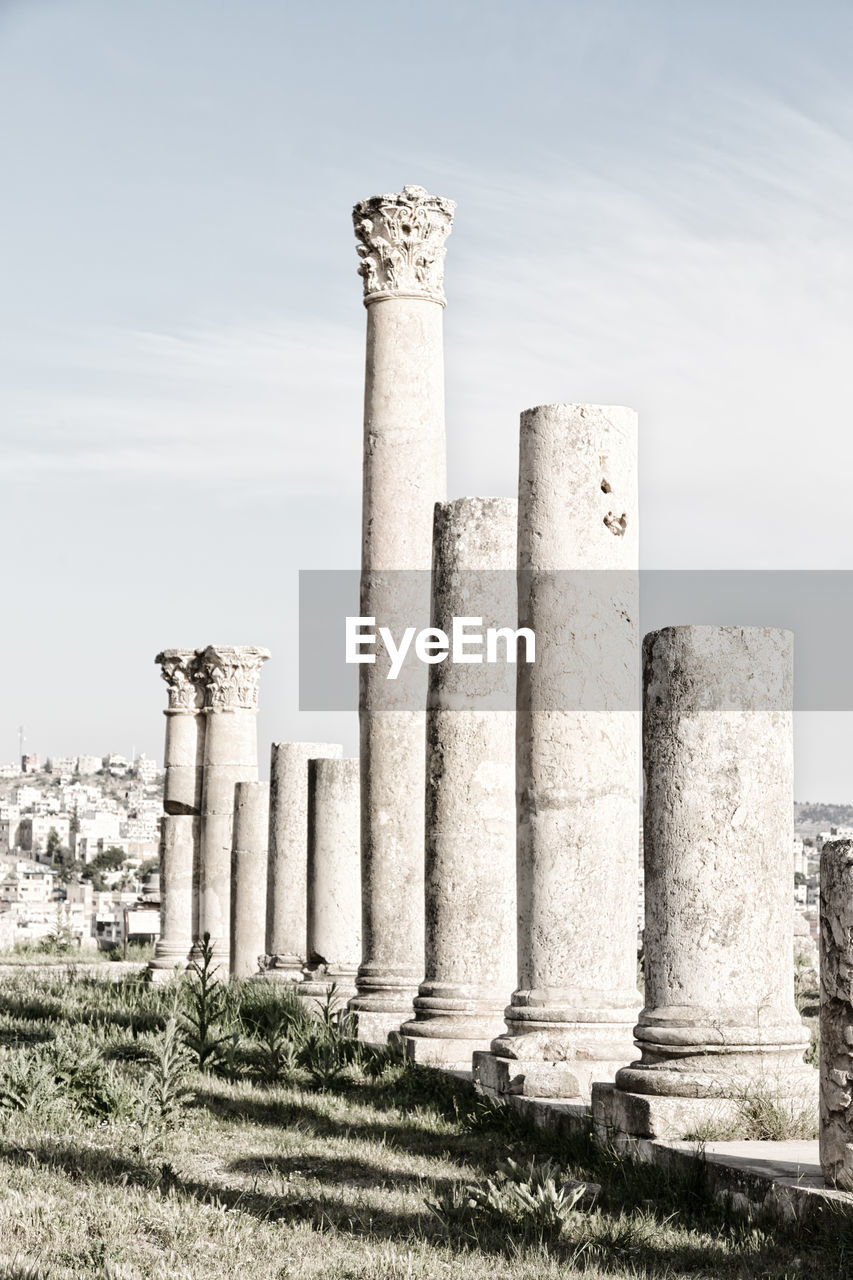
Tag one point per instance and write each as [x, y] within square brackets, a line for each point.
[468, 641]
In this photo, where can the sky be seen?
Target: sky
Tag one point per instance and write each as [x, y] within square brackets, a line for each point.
[653, 209]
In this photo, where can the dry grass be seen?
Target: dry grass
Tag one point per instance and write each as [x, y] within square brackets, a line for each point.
[288, 1182]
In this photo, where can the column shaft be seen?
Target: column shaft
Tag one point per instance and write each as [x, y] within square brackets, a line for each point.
[470, 795]
[718, 831]
[577, 744]
[286, 929]
[836, 1013]
[334, 879]
[230, 756]
[401, 245]
[179, 833]
[249, 876]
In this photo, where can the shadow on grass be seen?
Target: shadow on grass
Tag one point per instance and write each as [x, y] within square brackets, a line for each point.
[615, 1243]
[340, 1171]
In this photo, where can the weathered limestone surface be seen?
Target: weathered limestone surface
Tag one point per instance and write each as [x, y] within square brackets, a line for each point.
[249, 876]
[286, 921]
[718, 828]
[231, 677]
[401, 246]
[577, 742]
[334, 879]
[836, 1013]
[470, 794]
[179, 838]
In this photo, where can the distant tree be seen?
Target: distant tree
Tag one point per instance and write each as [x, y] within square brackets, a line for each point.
[149, 865]
[93, 874]
[110, 860]
[799, 878]
[66, 864]
[54, 843]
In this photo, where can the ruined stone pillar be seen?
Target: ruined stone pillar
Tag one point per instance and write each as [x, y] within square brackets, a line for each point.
[577, 742]
[470, 794]
[401, 245]
[836, 1013]
[179, 831]
[230, 756]
[249, 876]
[334, 880]
[718, 828]
[286, 926]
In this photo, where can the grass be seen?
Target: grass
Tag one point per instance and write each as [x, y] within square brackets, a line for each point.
[281, 1162]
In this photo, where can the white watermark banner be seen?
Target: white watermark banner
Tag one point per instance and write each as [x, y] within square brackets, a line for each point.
[370, 638]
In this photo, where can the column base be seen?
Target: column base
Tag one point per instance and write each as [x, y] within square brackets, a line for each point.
[381, 1004]
[441, 1051]
[566, 1079]
[283, 969]
[170, 959]
[451, 1023]
[162, 971]
[316, 987]
[723, 1113]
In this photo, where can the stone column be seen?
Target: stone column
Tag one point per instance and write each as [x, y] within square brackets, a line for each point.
[179, 831]
[718, 827]
[230, 756]
[334, 879]
[836, 1013]
[470, 795]
[249, 876]
[287, 890]
[578, 763]
[401, 245]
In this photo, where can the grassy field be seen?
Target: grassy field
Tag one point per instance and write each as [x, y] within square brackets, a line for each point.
[295, 1154]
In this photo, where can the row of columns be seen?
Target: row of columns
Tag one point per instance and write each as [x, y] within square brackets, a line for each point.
[211, 746]
[499, 830]
[719, 977]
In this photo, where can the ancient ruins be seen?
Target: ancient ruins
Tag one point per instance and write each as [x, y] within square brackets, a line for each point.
[470, 884]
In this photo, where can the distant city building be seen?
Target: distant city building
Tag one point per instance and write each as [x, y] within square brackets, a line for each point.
[30, 764]
[116, 764]
[27, 881]
[86, 832]
[9, 770]
[63, 765]
[26, 796]
[801, 862]
[145, 768]
[834, 833]
[10, 822]
[34, 832]
[89, 765]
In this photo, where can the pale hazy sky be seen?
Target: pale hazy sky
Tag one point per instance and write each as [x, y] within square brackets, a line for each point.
[654, 209]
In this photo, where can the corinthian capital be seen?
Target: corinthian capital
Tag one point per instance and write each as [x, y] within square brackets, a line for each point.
[231, 676]
[179, 668]
[401, 244]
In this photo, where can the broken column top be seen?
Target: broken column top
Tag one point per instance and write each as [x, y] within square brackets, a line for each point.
[401, 239]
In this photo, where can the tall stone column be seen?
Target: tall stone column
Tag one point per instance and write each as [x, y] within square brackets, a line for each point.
[249, 876]
[577, 743]
[179, 831]
[231, 678]
[334, 879]
[718, 830]
[470, 794]
[836, 1013]
[401, 245]
[286, 926]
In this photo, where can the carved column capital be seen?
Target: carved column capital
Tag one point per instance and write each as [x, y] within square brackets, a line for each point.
[401, 244]
[179, 668]
[230, 675]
